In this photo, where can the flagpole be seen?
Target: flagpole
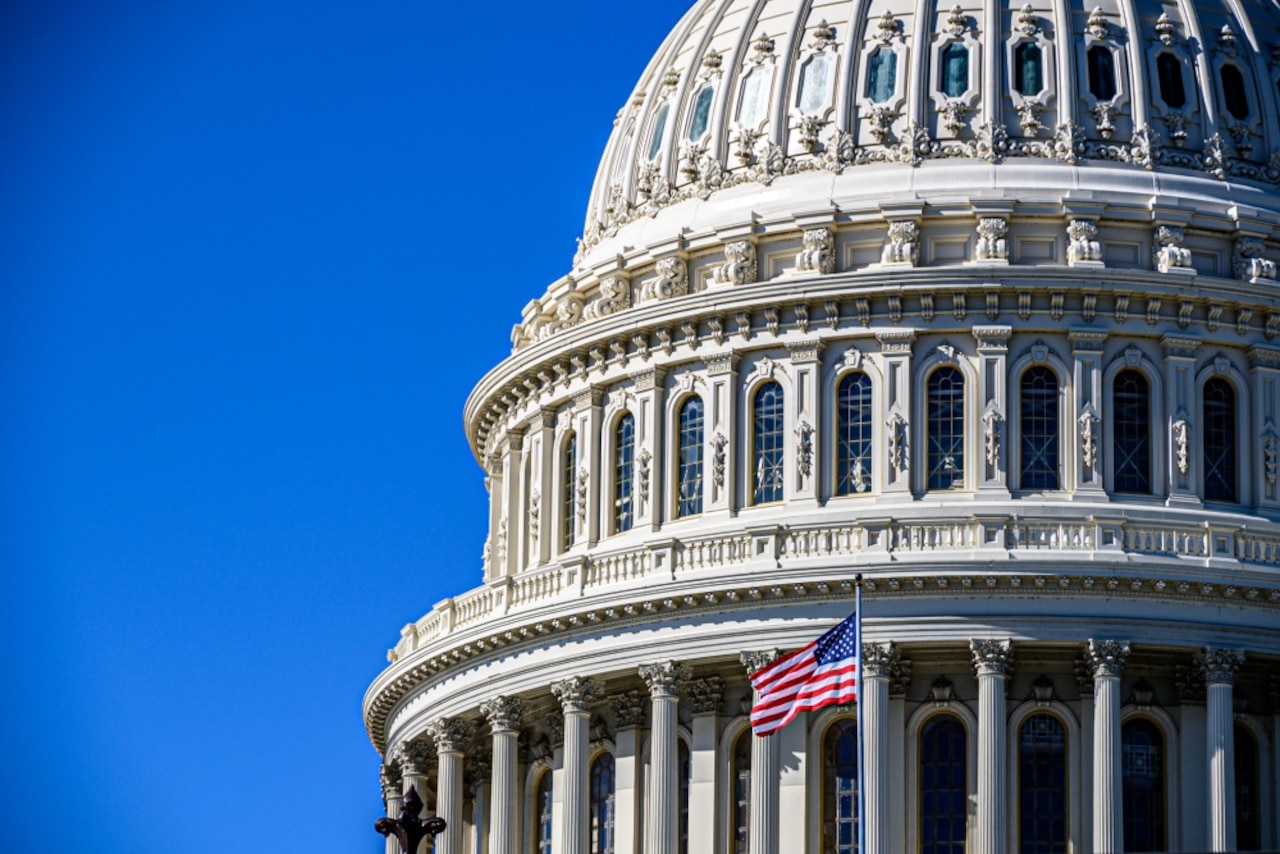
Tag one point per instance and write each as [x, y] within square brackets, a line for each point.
[862, 795]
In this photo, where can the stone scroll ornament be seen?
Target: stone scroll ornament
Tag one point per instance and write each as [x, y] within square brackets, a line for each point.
[817, 255]
[739, 267]
[991, 244]
[903, 245]
[1170, 254]
[535, 505]
[642, 472]
[1083, 244]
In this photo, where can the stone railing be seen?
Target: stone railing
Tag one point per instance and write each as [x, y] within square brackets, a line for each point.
[864, 545]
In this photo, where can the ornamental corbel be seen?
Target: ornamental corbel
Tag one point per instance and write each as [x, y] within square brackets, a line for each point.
[817, 254]
[1248, 263]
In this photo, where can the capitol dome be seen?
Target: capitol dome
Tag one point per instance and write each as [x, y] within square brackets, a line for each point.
[975, 302]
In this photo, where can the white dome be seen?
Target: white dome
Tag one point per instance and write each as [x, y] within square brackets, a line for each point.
[748, 91]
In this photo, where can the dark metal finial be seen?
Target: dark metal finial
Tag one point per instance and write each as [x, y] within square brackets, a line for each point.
[408, 829]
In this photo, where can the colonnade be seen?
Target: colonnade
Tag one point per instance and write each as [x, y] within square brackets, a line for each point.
[772, 829]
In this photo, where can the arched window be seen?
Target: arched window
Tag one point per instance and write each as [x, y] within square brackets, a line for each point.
[1102, 73]
[1233, 92]
[1169, 71]
[568, 495]
[1131, 440]
[853, 434]
[1038, 428]
[1248, 791]
[1142, 784]
[542, 804]
[684, 773]
[740, 779]
[943, 785]
[1042, 785]
[840, 788]
[691, 441]
[1219, 440]
[600, 831]
[623, 463]
[946, 429]
[954, 73]
[1028, 69]
[766, 443]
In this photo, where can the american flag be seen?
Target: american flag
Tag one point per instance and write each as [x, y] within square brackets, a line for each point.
[817, 675]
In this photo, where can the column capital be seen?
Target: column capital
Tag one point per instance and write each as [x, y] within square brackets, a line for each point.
[576, 693]
[1106, 657]
[664, 677]
[705, 694]
[1219, 665]
[628, 709]
[450, 734]
[392, 780]
[503, 713]
[992, 656]
[756, 660]
[412, 757]
[878, 660]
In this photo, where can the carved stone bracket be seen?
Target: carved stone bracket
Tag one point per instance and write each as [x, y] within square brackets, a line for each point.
[817, 254]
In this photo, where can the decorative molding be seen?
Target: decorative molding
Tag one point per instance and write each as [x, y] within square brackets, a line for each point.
[992, 657]
[576, 693]
[1218, 665]
[414, 758]
[628, 709]
[878, 660]
[903, 244]
[705, 695]
[756, 660]
[450, 734]
[991, 244]
[1083, 247]
[1169, 254]
[664, 678]
[804, 448]
[503, 713]
[818, 252]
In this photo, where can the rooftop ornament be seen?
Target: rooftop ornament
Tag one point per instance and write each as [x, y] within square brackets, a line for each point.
[408, 829]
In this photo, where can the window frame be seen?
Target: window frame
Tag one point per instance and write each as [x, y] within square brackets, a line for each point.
[615, 483]
[753, 455]
[675, 467]
[837, 431]
[1018, 465]
[927, 431]
[1172, 772]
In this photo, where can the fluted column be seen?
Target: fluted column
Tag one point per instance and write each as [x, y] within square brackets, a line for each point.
[503, 714]
[704, 701]
[392, 793]
[1106, 659]
[450, 735]
[414, 760]
[662, 834]
[1219, 666]
[877, 667]
[575, 696]
[993, 660]
[762, 832]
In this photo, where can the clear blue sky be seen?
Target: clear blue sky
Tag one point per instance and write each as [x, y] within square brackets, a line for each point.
[253, 256]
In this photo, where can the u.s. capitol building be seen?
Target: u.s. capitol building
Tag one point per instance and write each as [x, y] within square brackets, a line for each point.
[978, 301]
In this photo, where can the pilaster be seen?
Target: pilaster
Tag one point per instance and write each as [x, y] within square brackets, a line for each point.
[895, 350]
[993, 406]
[1263, 465]
[1193, 756]
[806, 407]
[650, 443]
[766, 760]
[721, 424]
[704, 700]
[628, 714]
[1086, 352]
[586, 418]
[1182, 462]
[511, 525]
[542, 491]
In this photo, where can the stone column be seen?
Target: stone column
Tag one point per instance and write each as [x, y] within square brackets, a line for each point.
[664, 678]
[392, 792]
[575, 696]
[628, 715]
[1219, 666]
[993, 659]
[1106, 660]
[414, 760]
[878, 661]
[503, 714]
[762, 830]
[704, 700]
[450, 734]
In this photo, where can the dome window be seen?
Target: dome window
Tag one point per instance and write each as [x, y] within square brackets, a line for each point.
[754, 98]
[701, 113]
[882, 75]
[659, 128]
[815, 84]
[955, 70]
[1233, 92]
[1102, 73]
[1028, 69]
[1169, 72]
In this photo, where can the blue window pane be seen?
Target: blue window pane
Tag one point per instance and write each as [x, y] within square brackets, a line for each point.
[624, 460]
[946, 429]
[701, 113]
[568, 502]
[768, 444]
[1219, 440]
[815, 84]
[943, 785]
[840, 788]
[882, 75]
[853, 434]
[955, 70]
[1131, 441]
[1028, 69]
[1102, 73]
[1042, 785]
[1233, 92]
[601, 830]
[691, 443]
[1142, 785]
[1038, 427]
[659, 128]
[1169, 71]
